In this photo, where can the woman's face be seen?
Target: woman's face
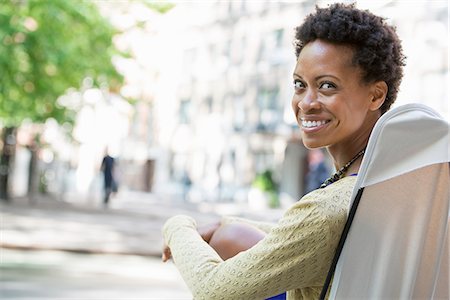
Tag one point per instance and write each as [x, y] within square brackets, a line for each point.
[331, 103]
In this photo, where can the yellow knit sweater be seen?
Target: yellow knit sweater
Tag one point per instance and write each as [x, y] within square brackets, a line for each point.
[294, 256]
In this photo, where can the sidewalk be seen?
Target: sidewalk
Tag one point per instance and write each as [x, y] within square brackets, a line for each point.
[62, 275]
[131, 225]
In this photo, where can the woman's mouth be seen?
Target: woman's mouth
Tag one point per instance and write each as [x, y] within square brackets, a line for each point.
[308, 124]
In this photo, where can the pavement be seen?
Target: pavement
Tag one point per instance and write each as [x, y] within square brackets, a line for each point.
[63, 275]
[130, 225]
[76, 249]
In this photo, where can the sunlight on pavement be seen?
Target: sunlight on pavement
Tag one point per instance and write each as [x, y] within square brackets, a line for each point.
[61, 275]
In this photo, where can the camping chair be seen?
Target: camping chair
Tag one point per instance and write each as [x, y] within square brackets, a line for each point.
[395, 244]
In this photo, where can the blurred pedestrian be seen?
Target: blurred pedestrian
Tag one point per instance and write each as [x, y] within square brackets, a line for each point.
[318, 171]
[109, 184]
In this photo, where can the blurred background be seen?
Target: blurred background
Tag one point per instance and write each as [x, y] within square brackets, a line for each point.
[191, 99]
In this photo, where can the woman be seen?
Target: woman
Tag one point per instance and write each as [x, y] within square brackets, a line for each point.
[349, 68]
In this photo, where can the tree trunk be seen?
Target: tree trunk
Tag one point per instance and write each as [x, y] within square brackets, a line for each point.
[6, 160]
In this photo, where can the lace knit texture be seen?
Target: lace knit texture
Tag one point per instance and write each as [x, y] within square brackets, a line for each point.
[294, 256]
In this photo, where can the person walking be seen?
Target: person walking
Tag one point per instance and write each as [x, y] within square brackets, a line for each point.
[109, 184]
[318, 170]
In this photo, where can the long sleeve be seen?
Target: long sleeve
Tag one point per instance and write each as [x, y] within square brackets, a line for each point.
[264, 226]
[295, 254]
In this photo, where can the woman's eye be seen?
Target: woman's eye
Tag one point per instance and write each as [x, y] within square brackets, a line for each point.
[327, 85]
[298, 85]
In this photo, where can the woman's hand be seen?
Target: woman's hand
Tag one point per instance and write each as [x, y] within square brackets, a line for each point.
[166, 254]
[205, 231]
[171, 225]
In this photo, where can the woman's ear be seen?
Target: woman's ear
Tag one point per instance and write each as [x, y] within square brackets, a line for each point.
[379, 93]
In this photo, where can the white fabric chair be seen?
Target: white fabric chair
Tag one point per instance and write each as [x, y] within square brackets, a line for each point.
[397, 246]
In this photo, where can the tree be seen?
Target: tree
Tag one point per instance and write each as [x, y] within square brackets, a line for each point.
[47, 47]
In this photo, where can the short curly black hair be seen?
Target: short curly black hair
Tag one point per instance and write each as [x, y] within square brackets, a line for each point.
[378, 50]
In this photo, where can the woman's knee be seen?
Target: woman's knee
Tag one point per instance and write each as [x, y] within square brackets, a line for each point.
[230, 239]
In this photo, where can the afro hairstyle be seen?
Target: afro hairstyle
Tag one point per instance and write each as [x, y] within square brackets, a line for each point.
[377, 48]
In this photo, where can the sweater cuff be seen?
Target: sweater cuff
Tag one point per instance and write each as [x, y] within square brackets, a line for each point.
[176, 223]
[229, 220]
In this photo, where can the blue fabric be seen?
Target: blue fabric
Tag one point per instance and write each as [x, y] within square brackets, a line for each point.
[278, 297]
[316, 176]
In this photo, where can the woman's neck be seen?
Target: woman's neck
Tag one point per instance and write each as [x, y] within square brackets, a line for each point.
[354, 168]
[342, 156]
[346, 150]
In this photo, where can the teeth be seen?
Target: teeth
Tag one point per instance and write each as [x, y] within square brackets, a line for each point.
[310, 124]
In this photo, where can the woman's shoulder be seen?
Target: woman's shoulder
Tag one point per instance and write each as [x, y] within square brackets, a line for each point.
[335, 196]
[323, 208]
[344, 185]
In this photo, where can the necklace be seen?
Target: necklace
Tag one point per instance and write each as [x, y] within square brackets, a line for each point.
[340, 173]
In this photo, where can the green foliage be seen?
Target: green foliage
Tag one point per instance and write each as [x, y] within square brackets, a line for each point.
[46, 47]
[159, 6]
[264, 181]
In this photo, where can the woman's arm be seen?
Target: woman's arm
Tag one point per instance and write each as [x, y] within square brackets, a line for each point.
[296, 253]
[228, 239]
[264, 226]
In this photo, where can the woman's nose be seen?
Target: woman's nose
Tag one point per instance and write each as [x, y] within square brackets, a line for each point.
[309, 101]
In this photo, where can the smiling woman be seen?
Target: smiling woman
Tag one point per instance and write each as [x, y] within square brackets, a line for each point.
[349, 67]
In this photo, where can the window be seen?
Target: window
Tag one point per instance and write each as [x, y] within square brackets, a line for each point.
[269, 111]
[184, 112]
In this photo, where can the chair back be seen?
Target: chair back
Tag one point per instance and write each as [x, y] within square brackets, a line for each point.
[397, 243]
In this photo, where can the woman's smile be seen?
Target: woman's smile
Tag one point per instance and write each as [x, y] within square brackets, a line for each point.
[313, 125]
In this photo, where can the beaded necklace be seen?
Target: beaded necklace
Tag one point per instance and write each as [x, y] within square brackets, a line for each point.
[340, 173]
